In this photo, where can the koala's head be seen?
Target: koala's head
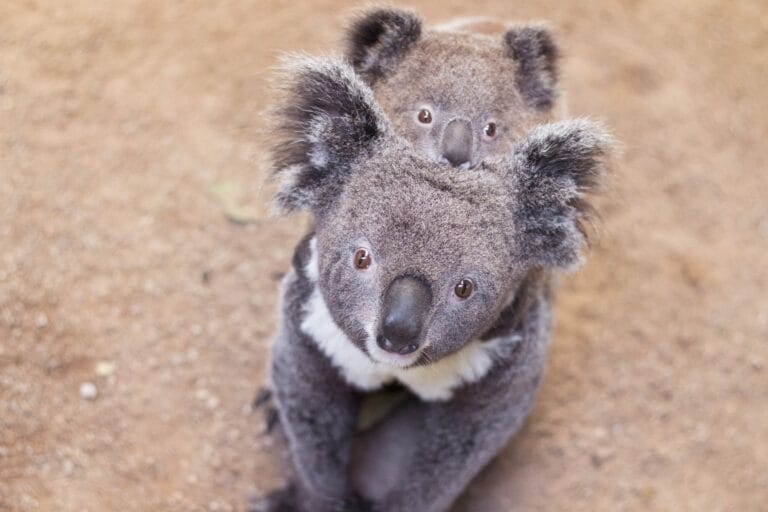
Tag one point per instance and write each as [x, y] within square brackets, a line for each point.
[414, 261]
[457, 96]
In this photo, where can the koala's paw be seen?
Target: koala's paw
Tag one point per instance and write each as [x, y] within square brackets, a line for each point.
[263, 400]
[281, 500]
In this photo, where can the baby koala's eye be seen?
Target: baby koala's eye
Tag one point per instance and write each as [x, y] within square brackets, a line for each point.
[490, 130]
[464, 288]
[362, 259]
[425, 116]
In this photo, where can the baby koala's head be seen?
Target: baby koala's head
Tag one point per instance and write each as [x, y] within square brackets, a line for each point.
[457, 95]
[414, 259]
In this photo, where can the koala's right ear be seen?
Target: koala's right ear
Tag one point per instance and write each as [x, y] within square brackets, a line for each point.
[327, 119]
[379, 38]
[555, 169]
[534, 50]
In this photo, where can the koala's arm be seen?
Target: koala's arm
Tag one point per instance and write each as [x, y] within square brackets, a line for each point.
[425, 454]
[318, 413]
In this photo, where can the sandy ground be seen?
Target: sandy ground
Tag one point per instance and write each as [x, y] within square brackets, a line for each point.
[119, 268]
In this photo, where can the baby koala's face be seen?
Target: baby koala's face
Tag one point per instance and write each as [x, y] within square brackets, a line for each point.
[456, 96]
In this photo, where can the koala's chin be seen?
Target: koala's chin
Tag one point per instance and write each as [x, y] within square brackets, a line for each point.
[433, 277]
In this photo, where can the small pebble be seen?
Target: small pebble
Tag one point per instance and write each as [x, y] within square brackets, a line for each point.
[88, 391]
[67, 467]
[41, 320]
[105, 368]
[212, 402]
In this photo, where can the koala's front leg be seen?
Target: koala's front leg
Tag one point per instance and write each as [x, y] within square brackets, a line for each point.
[318, 412]
[425, 454]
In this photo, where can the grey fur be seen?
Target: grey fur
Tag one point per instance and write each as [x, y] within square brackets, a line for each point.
[507, 225]
[475, 71]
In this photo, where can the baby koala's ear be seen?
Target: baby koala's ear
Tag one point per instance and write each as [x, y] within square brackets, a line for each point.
[327, 119]
[533, 49]
[379, 38]
[553, 171]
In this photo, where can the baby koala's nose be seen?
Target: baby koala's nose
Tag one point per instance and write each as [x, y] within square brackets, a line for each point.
[406, 305]
[456, 146]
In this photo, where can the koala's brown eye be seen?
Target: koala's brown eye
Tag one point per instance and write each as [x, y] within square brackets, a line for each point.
[464, 288]
[490, 130]
[425, 116]
[362, 259]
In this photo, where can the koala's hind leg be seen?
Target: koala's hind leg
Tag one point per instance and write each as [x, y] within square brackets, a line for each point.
[424, 455]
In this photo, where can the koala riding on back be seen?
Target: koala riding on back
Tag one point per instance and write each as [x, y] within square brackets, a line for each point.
[461, 91]
[426, 275]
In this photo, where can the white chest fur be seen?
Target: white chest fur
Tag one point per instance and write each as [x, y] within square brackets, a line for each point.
[433, 382]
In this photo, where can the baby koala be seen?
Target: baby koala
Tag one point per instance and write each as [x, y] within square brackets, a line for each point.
[416, 273]
[458, 92]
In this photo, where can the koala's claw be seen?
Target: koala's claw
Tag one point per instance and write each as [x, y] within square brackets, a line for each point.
[271, 420]
[263, 396]
[281, 500]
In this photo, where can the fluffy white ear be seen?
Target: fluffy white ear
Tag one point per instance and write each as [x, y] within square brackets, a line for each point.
[327, 119]
[552, 173]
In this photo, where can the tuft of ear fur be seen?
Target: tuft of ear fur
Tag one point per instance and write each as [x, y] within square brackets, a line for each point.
[554, 169]
[379, 38]
[328, 118]
[534, 50]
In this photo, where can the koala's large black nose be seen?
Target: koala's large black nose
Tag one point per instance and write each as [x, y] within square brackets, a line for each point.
[456, 146]
[406, 305]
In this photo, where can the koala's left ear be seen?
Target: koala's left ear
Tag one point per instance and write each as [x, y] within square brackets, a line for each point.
[533, 49]
[379, 38]
[553, 171]
[328, 118]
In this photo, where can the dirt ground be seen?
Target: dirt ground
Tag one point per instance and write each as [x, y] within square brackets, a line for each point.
[127, 129]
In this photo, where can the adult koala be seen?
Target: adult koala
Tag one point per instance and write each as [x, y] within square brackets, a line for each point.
[460, 91]
[429, 276]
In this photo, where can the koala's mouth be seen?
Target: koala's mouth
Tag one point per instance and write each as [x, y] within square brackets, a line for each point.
[383, 357]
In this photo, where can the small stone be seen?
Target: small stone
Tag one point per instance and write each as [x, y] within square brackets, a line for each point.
[88, 391]
[41, 320]
[212, 402]
[105, 368]
[67, 467]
